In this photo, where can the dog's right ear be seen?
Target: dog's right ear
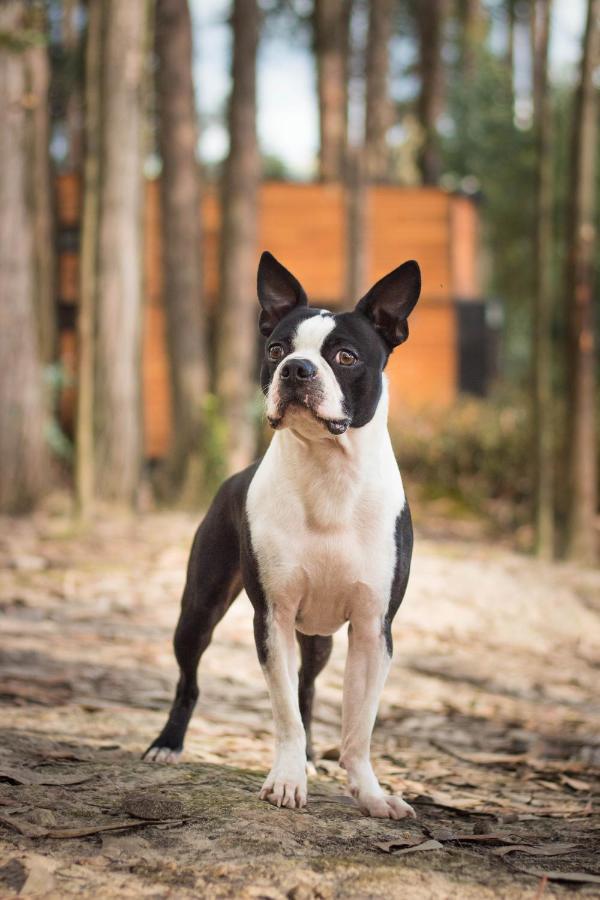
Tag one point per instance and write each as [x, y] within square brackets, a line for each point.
[278, 293]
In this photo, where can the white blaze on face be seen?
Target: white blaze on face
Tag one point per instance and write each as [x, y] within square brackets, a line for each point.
[307, 343]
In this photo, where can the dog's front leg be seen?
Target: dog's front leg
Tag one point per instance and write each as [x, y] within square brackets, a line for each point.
[367, 666]
[285, 784]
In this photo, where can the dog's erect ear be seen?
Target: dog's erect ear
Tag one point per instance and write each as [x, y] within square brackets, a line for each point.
[390, 302]
[278, 293]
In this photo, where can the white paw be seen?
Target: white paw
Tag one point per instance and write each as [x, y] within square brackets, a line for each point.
[283, 788]
[384, 806]
[162, 755]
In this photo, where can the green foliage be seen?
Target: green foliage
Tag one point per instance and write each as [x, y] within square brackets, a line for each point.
[478, 453]
[483, 148]
[214, 445]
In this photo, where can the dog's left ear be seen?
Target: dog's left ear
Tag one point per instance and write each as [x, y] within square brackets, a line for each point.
[390, 302]
[278, 293]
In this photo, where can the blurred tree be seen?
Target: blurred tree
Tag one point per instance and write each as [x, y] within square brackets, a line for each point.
[471, 25]
[69, 91]
[41, 199]
[331, 35]
[484, 150]
[582, 478]
[116, 254]
[236, 351]
[543, 394]
[88, 266]
[430, 18]
[23, 458]
[379, 110]
[181, 242]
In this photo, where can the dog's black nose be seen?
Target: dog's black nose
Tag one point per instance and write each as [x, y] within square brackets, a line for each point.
[299, 370]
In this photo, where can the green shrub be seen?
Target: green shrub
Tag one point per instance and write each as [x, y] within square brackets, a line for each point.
[477, 453]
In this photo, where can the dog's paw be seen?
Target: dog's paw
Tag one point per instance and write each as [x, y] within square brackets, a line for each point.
[283, 788]
[384, 806]
[162, 755]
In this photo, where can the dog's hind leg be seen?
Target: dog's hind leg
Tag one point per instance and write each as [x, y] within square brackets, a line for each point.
[213, 581]
[315, 650]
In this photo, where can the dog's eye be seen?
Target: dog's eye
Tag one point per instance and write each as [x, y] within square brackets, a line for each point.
[276, 352]
[346, 358]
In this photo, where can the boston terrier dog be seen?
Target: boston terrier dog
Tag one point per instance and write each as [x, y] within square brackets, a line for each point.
[318, 532]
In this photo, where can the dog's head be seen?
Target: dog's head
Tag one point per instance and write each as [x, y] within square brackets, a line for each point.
[324, 368]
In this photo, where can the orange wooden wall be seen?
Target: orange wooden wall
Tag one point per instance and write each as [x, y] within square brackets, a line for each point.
[304, 225]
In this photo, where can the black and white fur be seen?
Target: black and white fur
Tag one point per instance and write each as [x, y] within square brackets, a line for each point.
[318, 532]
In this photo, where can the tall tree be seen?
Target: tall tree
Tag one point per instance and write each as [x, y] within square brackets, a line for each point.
[379, 111]
[119, 302]
[181, 241]
[543, 400]
[236, 352]
[581, 442]
[470, 22]
[331, 35]
[431, 16]
[23, 461]
[88, 265]
[38, 82]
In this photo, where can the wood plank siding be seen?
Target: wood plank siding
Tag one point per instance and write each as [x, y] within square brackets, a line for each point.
[304, 225]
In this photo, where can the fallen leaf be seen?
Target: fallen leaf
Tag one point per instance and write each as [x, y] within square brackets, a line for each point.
[25, 828]
[29, 830]
[388, 846]
[548, 850]
[425, 845]
[28, 777]
[576, 783]
[578, 877]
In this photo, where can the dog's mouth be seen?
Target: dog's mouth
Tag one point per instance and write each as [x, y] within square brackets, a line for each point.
[335, 427]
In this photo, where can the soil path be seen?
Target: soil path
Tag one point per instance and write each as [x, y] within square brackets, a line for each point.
[489, 724]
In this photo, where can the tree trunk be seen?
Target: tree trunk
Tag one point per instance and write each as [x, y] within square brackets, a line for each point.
[510, 46]
[38, 71]
[118, 381]
[379, 111]
[430, 23]
[543, 399]
[88, 266]
[581, 432]
[71, 42]
[236, 352]
[23, 460]
[331, 28]
[471, 33]
[181, 242]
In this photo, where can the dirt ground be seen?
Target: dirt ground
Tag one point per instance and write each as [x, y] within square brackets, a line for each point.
[489, 724]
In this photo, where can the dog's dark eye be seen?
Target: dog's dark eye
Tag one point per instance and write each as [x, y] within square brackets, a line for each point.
[276, 352]
[346, 358]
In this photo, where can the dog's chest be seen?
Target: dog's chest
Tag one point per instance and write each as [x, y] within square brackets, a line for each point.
[325, 546]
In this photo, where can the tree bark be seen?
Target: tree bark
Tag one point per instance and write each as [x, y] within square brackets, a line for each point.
[471, 32]
[331, 30]
[88, 266]
[581, 442]
[71, 42]
[237, 326]
[430, 22]
[181, 242]
[38, 77]
[379, 111]
[543, 400]
[23, 458]
[118, 379]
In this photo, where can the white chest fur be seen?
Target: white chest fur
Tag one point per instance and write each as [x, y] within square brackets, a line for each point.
[322, 514]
